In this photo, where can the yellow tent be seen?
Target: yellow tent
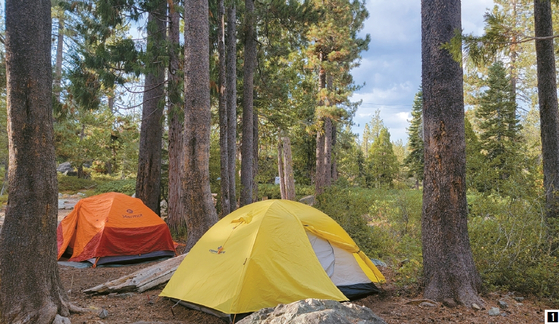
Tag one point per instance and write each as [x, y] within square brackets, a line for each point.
[272, 252]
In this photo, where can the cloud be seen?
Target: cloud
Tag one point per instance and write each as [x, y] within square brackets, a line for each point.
[391, 69]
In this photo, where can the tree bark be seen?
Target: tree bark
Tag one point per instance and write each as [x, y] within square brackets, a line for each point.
[223, 112]
[333, 154]
[547, 99]
[231, 92]
[327, 152]
[201, 213]
[31, 290]
[288, 170]
[319, 178]
[176, 214]
[448, 263]
[280, 168]
[255, 138]
[59, 51]
[148, 179]
[248, 123]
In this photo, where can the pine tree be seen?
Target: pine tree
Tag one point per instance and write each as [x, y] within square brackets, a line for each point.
[499, 125]
[415, 159]
[382, 162]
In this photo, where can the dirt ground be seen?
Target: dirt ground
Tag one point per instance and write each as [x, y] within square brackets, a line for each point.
[147, 307]
[391, 304]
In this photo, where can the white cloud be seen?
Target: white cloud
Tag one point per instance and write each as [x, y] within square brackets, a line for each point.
[391, 68]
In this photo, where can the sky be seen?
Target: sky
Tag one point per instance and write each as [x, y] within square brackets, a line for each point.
[391, 69]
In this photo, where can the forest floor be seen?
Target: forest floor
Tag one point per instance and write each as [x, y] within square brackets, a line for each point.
[394, 304]
[390, 305]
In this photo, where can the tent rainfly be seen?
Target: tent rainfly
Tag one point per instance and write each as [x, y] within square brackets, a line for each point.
[113, 228]
[268, 253]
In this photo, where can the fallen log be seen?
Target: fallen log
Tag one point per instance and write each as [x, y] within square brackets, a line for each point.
[141, 280]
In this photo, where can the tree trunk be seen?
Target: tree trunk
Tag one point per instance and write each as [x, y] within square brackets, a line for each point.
[223, 112]
[280, 168]
[255, 156]
[288, 170]
[333, 158]
[231, 90]
[31, 290]
[59, 51]
[201, 214]
[148, 179]
[448, 264]
[176, 214]
[547, 98]
[327, 152]
[319, 178]
[248, 123]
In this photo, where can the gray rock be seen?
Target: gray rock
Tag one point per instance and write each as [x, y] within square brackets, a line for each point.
[378, 263]
[518, 299]
[61, 320]
[65, 167]
[314, 311]
[494, 311]
[103, 314]
[503, 304]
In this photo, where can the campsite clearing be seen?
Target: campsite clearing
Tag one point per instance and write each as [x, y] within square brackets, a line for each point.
[148, 307]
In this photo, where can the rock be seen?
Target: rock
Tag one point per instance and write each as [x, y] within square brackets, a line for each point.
[518, 299]
[61, 320]
[103, 314]
[378, 263]
[494, 311]
[65, 167]
[503, 304]
[449, 302]
[309, 200]
[314, 311]
[476, 306]
[427, 304]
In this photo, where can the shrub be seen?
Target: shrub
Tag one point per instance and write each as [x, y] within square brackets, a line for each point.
[127, 187]
[349, 208]
[70, 184]
[511, 247]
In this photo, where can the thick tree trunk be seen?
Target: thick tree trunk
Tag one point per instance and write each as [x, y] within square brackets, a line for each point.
[31, 290]
[223, 112]
[231, 91]
[201, 214]
[547, 99]
[176, 214]
[148, 179]
[248, 123]
[59, 51]
[288, 170]
[448, 264]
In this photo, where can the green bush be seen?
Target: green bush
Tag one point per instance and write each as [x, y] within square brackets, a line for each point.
[70, 184]
[511, 246]
[127, 187]
[349, 208]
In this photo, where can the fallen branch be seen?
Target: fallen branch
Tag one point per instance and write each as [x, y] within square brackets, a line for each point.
[141, 280]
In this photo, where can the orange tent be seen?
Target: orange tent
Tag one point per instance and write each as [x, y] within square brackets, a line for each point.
[113, 225]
